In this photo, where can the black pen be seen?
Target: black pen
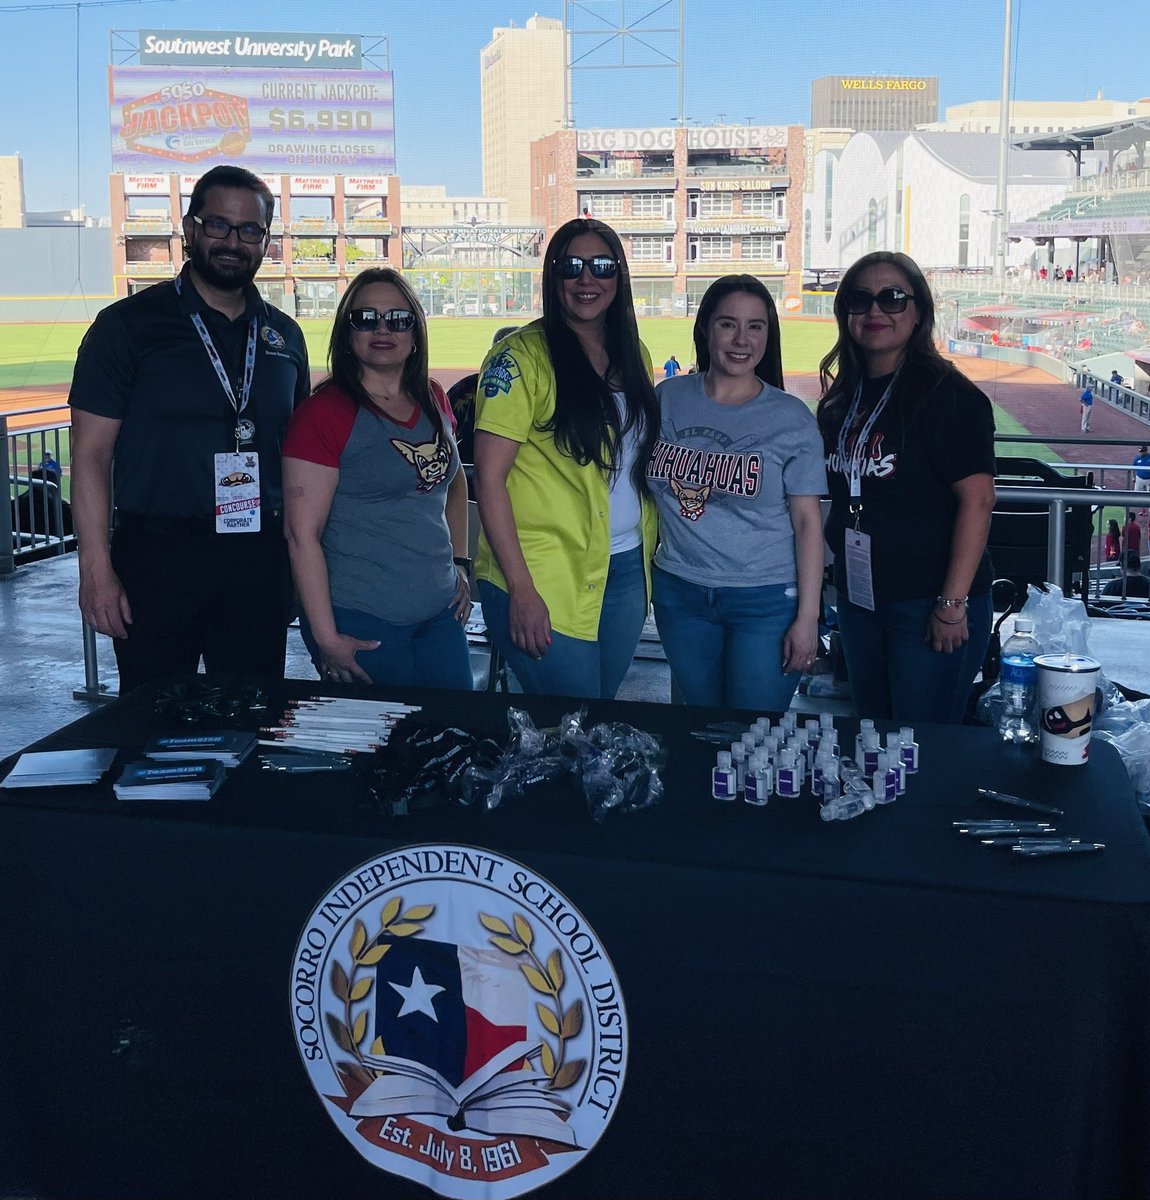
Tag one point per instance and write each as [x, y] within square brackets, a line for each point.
[1018, 801]
[1053, 848]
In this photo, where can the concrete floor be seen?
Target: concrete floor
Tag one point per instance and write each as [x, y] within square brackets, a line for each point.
[42, 656]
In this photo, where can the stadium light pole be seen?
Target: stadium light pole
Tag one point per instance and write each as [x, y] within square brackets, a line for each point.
[1001, 220]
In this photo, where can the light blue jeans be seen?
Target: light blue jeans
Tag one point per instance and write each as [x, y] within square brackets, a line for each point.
[725, 644]
[894, 673]
[431, 653]
[575, 666]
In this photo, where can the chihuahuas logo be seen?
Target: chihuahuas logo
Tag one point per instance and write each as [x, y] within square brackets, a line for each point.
[692, 501]
[460, 1021]
[431, 460]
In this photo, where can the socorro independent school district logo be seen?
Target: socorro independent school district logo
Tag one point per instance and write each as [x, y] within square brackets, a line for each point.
[460, 1020]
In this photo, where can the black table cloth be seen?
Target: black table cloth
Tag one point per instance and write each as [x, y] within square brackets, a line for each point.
[875, 1008]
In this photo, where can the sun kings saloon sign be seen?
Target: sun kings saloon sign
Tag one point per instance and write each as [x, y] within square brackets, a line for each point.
[460, 1021]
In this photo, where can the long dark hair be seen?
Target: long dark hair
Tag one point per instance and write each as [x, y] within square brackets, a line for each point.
[345, 368]
[769, 368]
[843, 367]
[586, 422]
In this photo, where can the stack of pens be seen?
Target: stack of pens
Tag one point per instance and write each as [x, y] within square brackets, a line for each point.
[336, 724]
[1024, 838]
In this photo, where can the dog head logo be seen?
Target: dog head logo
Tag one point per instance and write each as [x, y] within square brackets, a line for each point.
[431, 460]
[692, 500]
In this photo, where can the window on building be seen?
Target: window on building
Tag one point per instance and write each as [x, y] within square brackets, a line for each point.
[758, 204]
[716, 204]
[601, 205]
[147, 208]
[759, 247]
[709, 248]
[807, 238]
[828, 197]
[652, 204]
[650, 249]
[964, 230]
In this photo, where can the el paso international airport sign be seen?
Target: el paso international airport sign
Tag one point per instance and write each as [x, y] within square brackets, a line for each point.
[326, 119]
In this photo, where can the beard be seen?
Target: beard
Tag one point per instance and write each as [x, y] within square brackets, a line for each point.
[226, 276]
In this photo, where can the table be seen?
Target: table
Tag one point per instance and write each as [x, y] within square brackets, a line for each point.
[861, 1009]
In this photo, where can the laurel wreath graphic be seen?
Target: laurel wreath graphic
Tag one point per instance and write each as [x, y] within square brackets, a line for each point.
[351, 987]
[547, 979]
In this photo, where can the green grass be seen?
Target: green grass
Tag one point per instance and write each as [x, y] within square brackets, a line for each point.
[43, 355]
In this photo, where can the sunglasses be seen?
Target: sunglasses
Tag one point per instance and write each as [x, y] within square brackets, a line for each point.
[890, 300]
[1058, 721]
[367, 320]
[601, 267]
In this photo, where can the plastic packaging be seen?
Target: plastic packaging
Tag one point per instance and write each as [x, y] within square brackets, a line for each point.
[1018, 684]
[1126, 726]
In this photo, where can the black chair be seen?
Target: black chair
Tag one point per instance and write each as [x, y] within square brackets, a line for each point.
[1019, 530]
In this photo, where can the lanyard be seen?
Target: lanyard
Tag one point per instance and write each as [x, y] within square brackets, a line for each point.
[852, 464]
[238, 406]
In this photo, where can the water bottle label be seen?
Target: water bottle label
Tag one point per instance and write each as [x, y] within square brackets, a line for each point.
[1019, 672]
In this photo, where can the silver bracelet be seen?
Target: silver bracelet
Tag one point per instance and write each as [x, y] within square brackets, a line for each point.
[945, 602]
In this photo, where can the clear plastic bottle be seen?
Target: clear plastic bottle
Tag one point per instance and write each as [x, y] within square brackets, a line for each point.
[723, 784]
[758, 781]
[909, 749]
[884, 781]
[894, 755]
[1018, 680]
[739, 762]
[787, 780]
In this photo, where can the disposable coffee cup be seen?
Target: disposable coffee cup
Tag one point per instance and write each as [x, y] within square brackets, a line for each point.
[1066, 686]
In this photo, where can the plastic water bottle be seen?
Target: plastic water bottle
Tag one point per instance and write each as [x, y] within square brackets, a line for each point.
[1019, 683]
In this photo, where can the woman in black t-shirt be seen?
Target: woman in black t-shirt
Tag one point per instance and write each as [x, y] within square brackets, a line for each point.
[910, 466]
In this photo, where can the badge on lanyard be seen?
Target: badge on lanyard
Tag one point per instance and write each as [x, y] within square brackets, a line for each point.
[237, 492]
[860, 582]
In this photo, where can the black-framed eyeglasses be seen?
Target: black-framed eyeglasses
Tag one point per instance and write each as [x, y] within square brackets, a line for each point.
[218, 229]
[367, 320]
[601, 266]
[890, 300]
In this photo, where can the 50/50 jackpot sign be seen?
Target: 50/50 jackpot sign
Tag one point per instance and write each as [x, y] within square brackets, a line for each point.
[263, 119]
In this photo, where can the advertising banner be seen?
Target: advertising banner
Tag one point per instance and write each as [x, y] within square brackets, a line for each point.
[235, 48]
[268, 120]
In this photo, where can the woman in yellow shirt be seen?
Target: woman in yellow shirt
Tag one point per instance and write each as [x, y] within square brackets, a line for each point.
[565, 422]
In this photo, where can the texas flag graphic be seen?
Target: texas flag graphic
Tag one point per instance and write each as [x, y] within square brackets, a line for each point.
[452, 1008]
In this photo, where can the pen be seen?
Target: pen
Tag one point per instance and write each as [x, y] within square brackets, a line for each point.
[1018, 801]
[1016, 840]
[1053, 848]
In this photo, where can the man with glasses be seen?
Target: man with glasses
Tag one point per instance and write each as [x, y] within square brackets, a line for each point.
[180, 398]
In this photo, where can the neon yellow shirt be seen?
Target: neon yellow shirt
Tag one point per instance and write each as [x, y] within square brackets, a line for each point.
[561, 509]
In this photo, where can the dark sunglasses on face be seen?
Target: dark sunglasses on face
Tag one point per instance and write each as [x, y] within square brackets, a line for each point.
[600, 266]
[367, 320]
[218, 229]
[890, 300]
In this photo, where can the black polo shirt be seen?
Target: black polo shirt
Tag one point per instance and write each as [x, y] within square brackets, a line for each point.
[143, 363]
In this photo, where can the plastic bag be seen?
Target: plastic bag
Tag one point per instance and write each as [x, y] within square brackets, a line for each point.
[1130, 736]
[1061, 626]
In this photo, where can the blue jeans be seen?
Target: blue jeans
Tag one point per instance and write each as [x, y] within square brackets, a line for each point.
[894, 673]
[725, 644]
[431, 653]
[575, 666]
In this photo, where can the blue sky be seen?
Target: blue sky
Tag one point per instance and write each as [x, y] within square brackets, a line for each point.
[745, 59]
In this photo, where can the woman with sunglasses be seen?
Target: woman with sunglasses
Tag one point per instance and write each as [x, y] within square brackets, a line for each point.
[910, 462]
[565, 422]
[375, 503]
[737, 474]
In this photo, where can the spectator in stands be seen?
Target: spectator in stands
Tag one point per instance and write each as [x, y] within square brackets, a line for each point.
[1116, 378]
[1042, 274]
[1132, 534]
[50, 467]
[905, 433]
[1142, 469]
[566, 419]
[1059, 275]
[35, 512]
[1069, 274]
[1132, 582]
[1086, 403]
[1113, 542]
[376, 503]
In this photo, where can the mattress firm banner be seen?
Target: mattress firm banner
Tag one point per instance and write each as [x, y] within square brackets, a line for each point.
[217, 48]
[268, 120]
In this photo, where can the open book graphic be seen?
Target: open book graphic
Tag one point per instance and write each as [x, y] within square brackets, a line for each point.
[492, 1100]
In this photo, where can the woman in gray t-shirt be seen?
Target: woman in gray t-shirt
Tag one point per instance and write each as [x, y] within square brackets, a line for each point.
[737, 474]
